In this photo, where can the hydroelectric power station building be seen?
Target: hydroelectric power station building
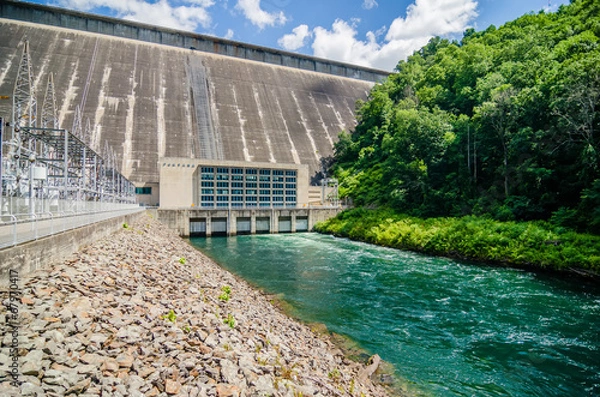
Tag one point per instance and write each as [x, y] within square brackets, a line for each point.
[193, 121]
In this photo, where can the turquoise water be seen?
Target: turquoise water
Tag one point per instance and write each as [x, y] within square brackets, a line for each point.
[449, 328]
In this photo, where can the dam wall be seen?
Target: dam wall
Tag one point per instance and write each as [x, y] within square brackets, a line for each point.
[149, 101]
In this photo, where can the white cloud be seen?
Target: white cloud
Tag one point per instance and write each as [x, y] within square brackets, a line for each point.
[424, 19]
[229, 34]
[187, 16]
[368, 4]
[296, 39]
[259, 17]
[433, 18]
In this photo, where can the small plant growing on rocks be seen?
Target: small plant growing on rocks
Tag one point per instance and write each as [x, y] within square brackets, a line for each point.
[230, 321]
[125, 225]
[226, 293]
[171, 316]
[182, 260]
[334, 375]
[186, 329]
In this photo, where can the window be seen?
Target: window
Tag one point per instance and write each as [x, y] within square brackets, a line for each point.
[265, 185]
[237, 191]
[250, 184]
[277, 172]
[264, 192]
[290, 193]
[277, 179]
[290, 179]
[208, 169]
[290, 185]
[265, 172]
[143, 190]
[251, 198]
[237, 184]
[208, 184]
[278, 186]
[251, 191]
[264, 178]
[277, 198]
[208, 198]
[222, 177]
[237, 171]
[237, 198]
[222, 198]
[208, 177]
[222, 170]
[208, 191]
[264, 199]
[222, 184]
[290, 199]
[278, 192]
[237, 177]
[222, 191]
[251, 171]
[290, 173]
[251, 178]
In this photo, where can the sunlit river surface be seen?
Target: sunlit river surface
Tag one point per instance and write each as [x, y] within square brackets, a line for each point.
[449, 328]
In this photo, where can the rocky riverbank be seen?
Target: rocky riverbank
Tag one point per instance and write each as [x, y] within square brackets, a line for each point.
[142, 313]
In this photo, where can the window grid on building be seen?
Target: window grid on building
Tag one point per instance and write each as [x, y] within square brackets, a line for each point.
[249, 187]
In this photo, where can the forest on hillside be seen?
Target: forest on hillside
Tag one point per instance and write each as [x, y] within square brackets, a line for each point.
[502, 123]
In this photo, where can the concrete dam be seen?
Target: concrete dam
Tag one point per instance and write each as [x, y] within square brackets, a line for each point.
[154, 93]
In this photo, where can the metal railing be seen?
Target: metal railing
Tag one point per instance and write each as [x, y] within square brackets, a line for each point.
[20, 227]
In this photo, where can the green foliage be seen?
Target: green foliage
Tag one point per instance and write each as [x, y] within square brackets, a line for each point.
[230, 320]
[125, 225]
[182, 260]
[226, 293]
[171, 316]
[538, 243]
[502, 123]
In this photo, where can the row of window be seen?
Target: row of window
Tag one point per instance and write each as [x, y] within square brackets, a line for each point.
[251, 178]
[248, 171]
[249, 185]
[249, 192]
[239, 199]
[248, 205]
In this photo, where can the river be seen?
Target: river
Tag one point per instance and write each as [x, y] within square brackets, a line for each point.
[449, 328]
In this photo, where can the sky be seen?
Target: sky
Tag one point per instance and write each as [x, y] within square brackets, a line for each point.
[372, 33]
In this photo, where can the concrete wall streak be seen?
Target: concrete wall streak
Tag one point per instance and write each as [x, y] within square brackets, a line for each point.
[28, 257]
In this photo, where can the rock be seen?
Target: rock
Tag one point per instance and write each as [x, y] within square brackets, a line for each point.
[32, 363]
[80, 386]
[172, 387]
[264, 385]
[91, 358]
[98, 338]
[229, 372]
[225, 390]
[366, 373]
[125, 360]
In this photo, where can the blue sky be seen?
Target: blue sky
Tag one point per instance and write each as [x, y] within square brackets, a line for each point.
[373, 33]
